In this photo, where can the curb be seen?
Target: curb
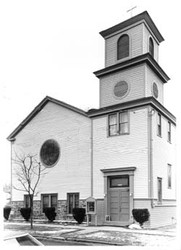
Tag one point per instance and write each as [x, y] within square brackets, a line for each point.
[69, 239]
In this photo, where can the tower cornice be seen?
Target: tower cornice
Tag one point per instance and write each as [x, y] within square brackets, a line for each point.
[146, 101]
[144, 16]
[145, 58]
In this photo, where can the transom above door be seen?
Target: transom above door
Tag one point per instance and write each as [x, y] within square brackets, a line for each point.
[119, 181]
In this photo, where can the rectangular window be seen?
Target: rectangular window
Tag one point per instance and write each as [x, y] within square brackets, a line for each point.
[169, 171]
[49, 200]
[169, 131]
[26, 200]
[72, 202]
[118, 124]
[119, 181]
[113, 125]
[159, 125]
[159, 183]
[123, 123]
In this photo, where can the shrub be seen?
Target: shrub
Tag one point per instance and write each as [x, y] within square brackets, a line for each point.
[141, 215]
[7, 211]
[79, 214]
[25, 212]
[50, 213]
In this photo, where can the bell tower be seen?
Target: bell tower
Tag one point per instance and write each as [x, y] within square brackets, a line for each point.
[131, 62]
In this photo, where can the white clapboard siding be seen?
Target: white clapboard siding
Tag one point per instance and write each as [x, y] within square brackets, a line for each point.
[164, 154]
[150, 78]
[135, 77]
[135, 36]
[122, 151]
[72, 131]
[139, 44]
[146, 36]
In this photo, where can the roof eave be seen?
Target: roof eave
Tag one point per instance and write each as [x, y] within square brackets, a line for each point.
[37, 109]
[145, 101]
[142, 16]
[145, 58]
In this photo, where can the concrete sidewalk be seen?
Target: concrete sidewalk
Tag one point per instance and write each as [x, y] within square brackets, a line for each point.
[98, 234]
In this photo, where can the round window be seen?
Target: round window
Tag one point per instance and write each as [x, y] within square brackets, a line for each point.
[49, 153]
[155, 90]
[121, 89]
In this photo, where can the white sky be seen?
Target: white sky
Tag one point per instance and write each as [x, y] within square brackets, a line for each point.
[52, 47]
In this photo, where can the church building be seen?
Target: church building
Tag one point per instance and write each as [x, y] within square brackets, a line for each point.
[121, 155]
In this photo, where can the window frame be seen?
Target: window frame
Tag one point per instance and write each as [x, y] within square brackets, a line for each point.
[127, 122]
[118, 115]
[159, 125]
[49, 200]
[151, 47]
[169, 176]
[116, 125]
[169, 132]
[118, 177]
[69, 210]
[159, 190]
[119, 45]
[27, 201]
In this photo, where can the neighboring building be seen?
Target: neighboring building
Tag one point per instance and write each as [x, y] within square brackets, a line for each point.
[122, 154]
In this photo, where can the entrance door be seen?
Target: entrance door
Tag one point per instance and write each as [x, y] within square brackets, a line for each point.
[119, 198]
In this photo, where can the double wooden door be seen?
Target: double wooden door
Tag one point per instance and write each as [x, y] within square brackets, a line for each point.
[119, 202]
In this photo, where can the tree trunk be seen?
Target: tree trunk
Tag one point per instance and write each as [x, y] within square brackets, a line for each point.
[31, 213]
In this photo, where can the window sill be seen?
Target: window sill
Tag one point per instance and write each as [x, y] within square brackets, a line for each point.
[118, 135]
[159, 136]
[123, 59]
[165, 205]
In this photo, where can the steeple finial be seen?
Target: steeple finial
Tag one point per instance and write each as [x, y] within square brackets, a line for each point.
[131, 10]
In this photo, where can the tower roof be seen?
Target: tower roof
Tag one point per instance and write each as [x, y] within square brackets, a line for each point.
[142, 17]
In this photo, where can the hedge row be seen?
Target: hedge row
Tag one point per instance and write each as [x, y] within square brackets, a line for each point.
[7, 210]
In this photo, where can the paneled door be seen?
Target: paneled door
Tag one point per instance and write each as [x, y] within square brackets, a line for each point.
[118, 194]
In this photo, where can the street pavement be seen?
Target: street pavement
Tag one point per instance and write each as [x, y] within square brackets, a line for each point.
[162, 237]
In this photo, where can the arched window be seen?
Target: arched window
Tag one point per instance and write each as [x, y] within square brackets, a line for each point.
[123, 47]
[151, 47]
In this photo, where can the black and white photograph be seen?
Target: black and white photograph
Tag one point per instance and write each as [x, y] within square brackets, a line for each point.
[90, 123]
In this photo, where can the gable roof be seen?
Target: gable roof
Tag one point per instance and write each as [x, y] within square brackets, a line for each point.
[38, 108]
[144, 16]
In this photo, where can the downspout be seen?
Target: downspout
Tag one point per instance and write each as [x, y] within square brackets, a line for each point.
[151, 112]
[11, 165]
[91, 149]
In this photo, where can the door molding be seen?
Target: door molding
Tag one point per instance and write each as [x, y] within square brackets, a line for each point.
[114, 172]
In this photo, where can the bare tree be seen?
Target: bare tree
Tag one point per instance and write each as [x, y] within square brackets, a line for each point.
[28, 172]
[7, 191]
[7, 188]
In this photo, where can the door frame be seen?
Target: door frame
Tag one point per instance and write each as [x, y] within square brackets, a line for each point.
[118, 172]
[119, 191]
